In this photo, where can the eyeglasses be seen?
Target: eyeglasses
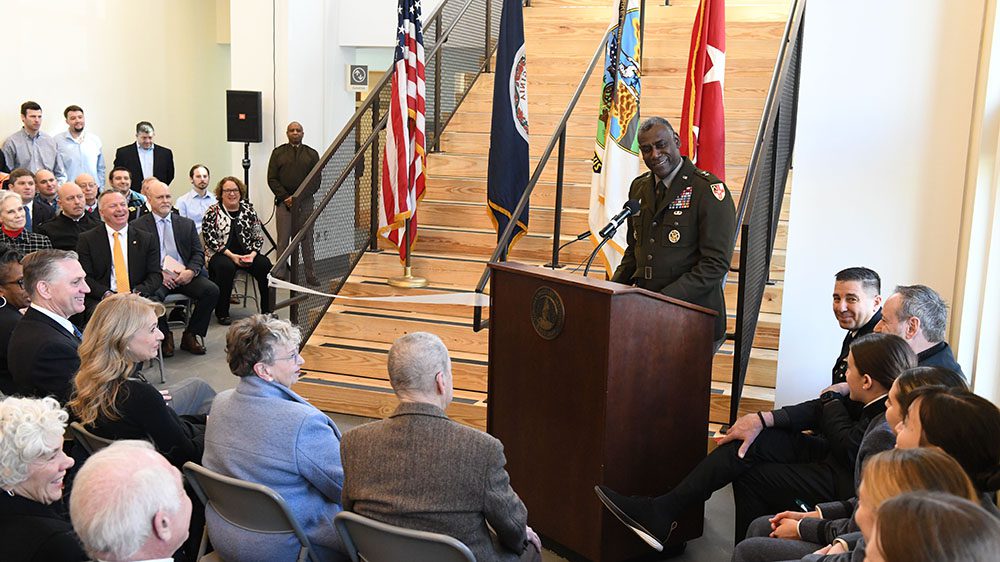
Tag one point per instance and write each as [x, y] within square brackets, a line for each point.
[295, 355]
[20, 282]
[231, 191]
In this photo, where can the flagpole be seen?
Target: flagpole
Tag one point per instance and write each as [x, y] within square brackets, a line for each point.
[407, 281]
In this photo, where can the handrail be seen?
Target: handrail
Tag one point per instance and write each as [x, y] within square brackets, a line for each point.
[767, 116]
[558, 136]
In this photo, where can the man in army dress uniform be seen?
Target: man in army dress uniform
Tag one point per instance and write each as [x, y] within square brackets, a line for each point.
[681, 242]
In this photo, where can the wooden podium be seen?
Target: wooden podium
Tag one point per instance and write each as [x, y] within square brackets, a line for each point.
[593, 382]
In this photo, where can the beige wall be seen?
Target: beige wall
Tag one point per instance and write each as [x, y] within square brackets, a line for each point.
[123, 61]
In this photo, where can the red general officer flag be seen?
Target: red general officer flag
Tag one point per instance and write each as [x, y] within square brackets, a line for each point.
[703, 122]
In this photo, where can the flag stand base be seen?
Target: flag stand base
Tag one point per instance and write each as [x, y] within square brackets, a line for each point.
[407, 281]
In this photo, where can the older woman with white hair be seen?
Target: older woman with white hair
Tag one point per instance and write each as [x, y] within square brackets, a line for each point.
[12, 226]
[264, 432]
[32, 467]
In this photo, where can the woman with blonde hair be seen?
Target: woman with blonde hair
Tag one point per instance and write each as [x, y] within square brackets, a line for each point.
[113, 399]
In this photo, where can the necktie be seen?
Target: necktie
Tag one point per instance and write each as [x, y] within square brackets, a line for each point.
[27, 218]
[121, 270]
[77, 332]
[167, 241]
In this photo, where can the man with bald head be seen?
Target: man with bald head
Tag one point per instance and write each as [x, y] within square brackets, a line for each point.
[90, 189]
[182, 260]
[73, 219]
[46, 186]
[289, 165]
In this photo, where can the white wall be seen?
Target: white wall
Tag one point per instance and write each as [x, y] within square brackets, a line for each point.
[379, 17]
[881, 148]
[123, 62]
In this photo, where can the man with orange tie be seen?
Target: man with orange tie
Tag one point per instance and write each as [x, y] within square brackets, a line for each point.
[118, 259]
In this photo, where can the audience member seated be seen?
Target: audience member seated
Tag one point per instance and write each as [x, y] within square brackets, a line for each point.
[233, 238]
[113, 399]
[45, 339]
[32, 467]
[106, 253]
[13, 299]
[120, 180]
[264, 432]
[420, 470]
[792, 534]
[770, 462]
[128, 504]
[933, 527]
[65, 229]
[919, 315]
[90, 191]
[177, 238]
[12, 222]
[857, 306]
[46, 186]
[194, 203]
[143, 158]
[23, 183]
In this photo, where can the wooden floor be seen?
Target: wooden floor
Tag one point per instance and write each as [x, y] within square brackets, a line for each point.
[346, 356]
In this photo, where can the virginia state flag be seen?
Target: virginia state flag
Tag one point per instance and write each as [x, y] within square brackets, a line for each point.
[703, 116]
[508, 166]
[616, 153]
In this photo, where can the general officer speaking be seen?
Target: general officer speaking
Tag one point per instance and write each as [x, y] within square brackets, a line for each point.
[681, 242]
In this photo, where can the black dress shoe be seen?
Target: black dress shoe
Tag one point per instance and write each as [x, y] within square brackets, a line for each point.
[224, 320]
[639, 515]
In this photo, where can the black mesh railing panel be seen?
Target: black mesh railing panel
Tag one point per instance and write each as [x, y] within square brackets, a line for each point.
[341, 216]
[764, 190]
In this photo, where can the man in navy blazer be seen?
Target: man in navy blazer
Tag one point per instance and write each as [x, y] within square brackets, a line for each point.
[142, 257]
[181, 242]
[144, 159]
[44, 339]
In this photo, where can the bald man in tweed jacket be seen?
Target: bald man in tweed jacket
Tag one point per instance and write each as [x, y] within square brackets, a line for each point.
[420, 470]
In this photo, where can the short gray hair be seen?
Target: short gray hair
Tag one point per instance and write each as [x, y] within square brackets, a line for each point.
[43, 265]
[7, 194]
[144, 127]
[924, 303]
[414, 360]
[116, 495]
[653, 122]
[252, 340]
[27, 426]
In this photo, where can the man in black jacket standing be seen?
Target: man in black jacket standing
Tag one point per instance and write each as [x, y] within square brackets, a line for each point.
[288, 167]
[144, 159]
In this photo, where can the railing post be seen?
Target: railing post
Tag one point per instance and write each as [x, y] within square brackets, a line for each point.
[437, 88]
[373, 209]
[557, 214]
[489, 32]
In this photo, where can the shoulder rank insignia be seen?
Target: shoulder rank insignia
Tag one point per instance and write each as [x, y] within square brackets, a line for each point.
[702, 173]
[719, 190]
[683, 200]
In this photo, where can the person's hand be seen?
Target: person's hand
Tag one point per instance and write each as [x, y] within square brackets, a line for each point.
[836, 548]
[795, 515]
[533, 537]
[746, 429]
[786, 529]
[235, 258]
[251, 256]
[840, 388]
[184, 277]
[166, 395]
[288, 201]
[825, 550]
[169, 279]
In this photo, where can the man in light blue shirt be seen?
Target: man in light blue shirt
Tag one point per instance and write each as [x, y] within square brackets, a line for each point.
[30, 148]
[81, 151]
[194, 203]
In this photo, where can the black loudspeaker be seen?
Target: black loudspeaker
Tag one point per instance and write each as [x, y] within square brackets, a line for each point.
[243, 122]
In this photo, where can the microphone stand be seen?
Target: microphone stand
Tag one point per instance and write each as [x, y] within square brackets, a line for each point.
[598, 249]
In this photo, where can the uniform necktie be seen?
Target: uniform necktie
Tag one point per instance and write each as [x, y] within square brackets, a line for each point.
[121, 270]
[27, 218]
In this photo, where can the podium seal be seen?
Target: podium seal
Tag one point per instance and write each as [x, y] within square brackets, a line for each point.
[547, 313]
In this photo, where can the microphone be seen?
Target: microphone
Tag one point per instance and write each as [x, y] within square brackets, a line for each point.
[631, 208]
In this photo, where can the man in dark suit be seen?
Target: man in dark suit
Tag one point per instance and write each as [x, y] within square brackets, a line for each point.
[36, 213]
[118, 258]
[177, 238]
[419, 469]
[65, 229]
[144, 159]
[45, 339]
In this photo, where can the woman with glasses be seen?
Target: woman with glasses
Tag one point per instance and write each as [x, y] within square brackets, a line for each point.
[263, 432]
[13, 299]
[232, 233]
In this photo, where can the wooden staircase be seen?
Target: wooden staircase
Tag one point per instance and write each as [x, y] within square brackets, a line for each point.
[345, 357]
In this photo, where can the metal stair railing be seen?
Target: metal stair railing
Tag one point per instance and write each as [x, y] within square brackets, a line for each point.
[459, 39]
[763, 193]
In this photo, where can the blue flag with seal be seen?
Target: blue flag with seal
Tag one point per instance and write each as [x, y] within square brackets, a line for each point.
[508, 161]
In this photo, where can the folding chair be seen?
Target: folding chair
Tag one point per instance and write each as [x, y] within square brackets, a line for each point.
[368, 540]
[90, 442]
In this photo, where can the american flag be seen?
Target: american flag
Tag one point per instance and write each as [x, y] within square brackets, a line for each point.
[403, 159]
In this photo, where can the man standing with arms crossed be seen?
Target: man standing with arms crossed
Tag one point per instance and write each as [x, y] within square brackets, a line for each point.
[289, 165]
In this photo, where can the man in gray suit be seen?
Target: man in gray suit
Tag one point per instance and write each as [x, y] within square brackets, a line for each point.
[420, 470]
